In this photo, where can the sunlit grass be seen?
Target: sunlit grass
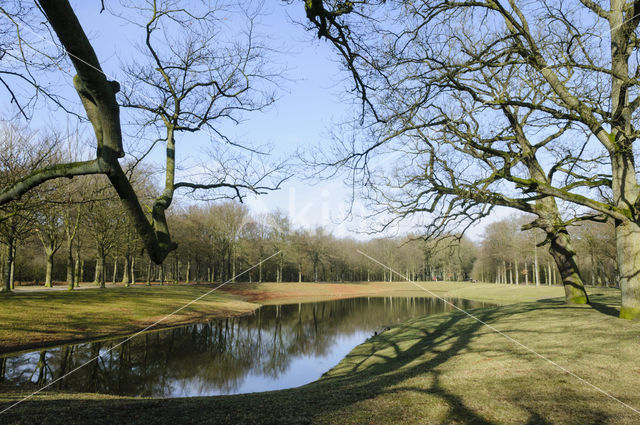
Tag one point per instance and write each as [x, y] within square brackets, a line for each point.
[444, 368]
[29, 319]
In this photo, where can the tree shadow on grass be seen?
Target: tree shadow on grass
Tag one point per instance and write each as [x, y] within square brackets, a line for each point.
[383, 368]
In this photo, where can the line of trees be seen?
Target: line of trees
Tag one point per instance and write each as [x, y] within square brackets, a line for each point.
[76, 231]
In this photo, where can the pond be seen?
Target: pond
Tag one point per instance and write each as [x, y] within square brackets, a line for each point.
[280, 346]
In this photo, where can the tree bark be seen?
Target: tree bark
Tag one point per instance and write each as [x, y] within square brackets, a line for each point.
[125, 272]
[70, 274]
[188, 271]
[8, 265]
[133, 270]
[99, 275]
[628, 252]
[565, 258]
[49, 267]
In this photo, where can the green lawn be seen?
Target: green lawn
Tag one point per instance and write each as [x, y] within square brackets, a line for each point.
[34, 319]
[445, 368]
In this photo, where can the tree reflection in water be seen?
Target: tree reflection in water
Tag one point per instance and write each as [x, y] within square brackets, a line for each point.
[276, 347]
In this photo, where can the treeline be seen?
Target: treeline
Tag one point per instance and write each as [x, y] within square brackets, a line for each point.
[92, 241]
[75, 230]
[508, 254]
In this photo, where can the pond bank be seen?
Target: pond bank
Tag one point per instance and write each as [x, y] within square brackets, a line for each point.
[36, 319]
[444, 368]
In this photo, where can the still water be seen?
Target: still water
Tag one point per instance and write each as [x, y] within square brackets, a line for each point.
[277, 347]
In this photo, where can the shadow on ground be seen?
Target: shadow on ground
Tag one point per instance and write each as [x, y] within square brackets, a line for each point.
[446, 368]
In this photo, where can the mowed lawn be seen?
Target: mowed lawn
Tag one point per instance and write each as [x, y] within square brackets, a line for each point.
[35, 319]
[42, 318]
[446, 368]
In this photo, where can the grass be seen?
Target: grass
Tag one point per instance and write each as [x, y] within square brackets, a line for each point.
[33, 319]
[37, 319]
[445, 368]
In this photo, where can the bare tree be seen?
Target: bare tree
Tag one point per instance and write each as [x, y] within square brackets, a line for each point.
[98, 96]
[457, 122]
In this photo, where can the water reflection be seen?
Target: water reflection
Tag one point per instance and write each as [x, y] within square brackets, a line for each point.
[277, 347]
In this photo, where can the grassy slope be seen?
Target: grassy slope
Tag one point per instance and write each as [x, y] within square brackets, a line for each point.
[49, 317]
[32, 319]
[445, 368]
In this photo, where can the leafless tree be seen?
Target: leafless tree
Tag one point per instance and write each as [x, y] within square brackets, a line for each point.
[98, 96]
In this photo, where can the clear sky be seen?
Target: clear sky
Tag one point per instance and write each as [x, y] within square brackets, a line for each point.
[311, 98]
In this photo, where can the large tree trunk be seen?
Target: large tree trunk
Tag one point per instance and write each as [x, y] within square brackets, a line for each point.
[565, 258]
[560, 249]
[628, 250]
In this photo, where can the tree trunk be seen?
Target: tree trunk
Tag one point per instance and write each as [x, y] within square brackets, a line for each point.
[233, 268]
[115, 270]
[49, 268]
[628, 250]
[149, 273]
[537, 270]
[565, 258]
[7, 267]
[133, 270]
[188, 271]
[13, 267]
[125, 272]
[70, 271]
[99, 275]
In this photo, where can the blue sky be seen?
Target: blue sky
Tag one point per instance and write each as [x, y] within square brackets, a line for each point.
[310, 99]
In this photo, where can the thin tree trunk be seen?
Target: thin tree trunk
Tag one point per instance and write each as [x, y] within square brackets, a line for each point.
[149, 273]
[49, 267]
[8, 263]
[125, 272]
[13, 266]
[133, 270]
[115, 270]
[535, 260]
[98, 273]
[70, 271]
[188, 271]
